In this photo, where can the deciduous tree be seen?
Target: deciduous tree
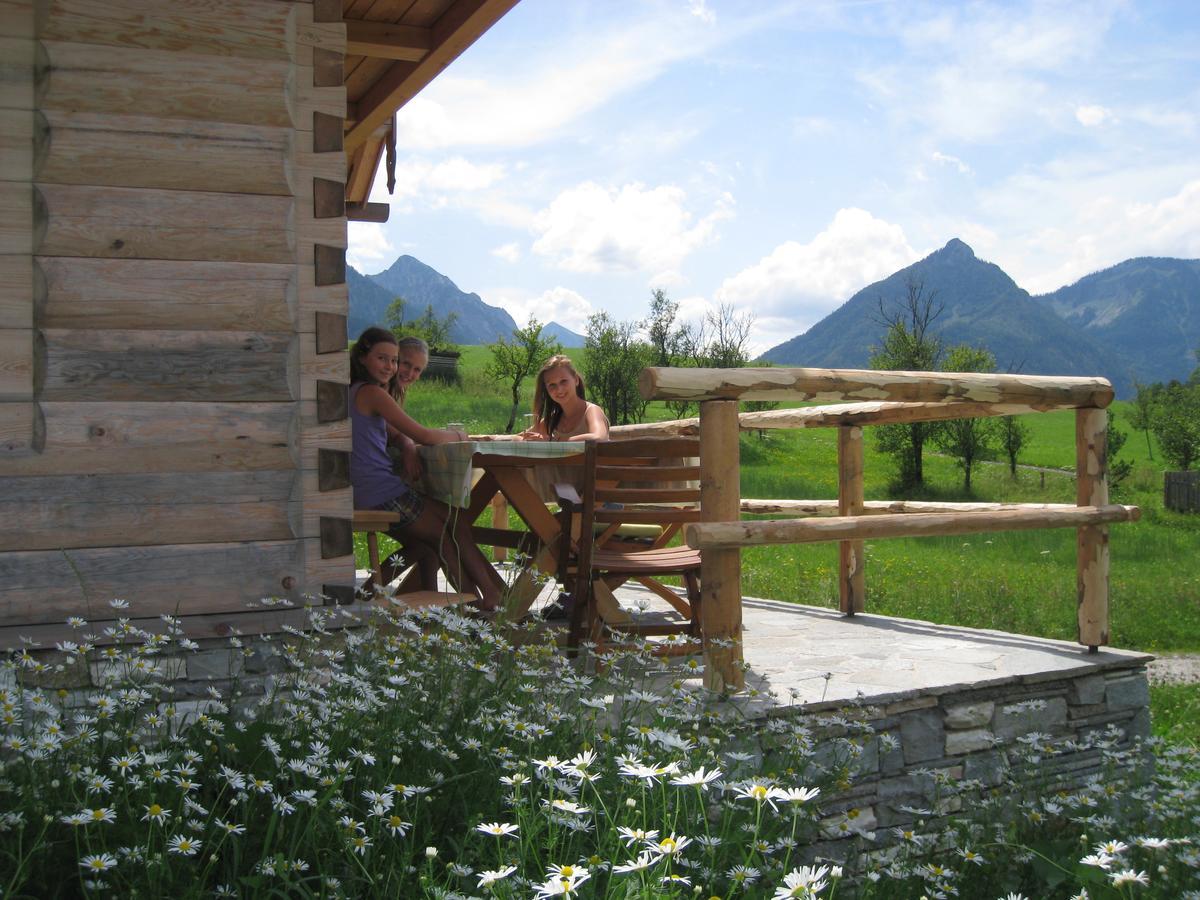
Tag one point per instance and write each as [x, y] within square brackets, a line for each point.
[514, 361]
[1013, 434]
[967, 440]
[1177, 423]
[613, 358]
[909, 344]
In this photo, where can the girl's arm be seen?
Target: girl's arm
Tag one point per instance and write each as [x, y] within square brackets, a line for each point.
[408, 453]
[373, 400]
[536, 433]
[597, 425]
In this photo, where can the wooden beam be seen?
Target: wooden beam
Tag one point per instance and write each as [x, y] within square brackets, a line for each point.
[117, 437]
[43, 587]
[1092, 558]
[724, 535]
[364, 160]
[720, 569]
[877, 413]
[852, 583]
[837, 385]
[368, 212]
[459, 27]
[384, 40]
[881, 507]
[833, 415]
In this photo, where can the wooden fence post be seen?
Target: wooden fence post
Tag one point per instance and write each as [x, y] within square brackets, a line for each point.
[852, 582]
[499, 520]
[1091, 489]
[721, 570]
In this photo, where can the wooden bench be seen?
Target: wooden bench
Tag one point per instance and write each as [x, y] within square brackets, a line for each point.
[373, 522]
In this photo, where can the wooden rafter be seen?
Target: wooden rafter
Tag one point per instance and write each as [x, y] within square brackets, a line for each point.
[363, 163]
[386, 41]
[458, 28]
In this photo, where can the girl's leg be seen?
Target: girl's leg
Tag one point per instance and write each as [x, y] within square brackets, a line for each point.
[466, 567]
[476, 563]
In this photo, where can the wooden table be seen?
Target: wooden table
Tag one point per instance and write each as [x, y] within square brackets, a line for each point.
[467, 475]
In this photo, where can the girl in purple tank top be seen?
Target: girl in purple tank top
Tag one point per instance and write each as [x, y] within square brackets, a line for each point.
[377, 385]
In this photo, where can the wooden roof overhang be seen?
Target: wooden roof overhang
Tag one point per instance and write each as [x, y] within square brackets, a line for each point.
[394, 48]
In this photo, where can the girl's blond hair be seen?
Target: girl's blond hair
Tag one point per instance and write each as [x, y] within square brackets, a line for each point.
[545, 410]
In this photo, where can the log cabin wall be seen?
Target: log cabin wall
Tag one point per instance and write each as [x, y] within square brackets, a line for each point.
[172, 310]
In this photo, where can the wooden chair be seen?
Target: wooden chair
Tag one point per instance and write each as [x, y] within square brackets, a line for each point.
[418, 588]
[652, 481]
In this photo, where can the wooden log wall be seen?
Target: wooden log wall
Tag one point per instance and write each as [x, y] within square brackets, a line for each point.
[20, 434]
[172, 307]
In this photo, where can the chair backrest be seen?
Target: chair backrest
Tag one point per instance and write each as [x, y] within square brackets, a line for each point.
[645, 480]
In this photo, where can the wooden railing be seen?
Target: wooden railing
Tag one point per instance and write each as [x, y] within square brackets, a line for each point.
[879, 398]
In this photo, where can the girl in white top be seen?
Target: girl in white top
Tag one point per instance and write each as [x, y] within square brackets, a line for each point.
[560, 408]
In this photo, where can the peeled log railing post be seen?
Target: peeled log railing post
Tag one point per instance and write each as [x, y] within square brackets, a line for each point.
[852, 582]
[1091, 543]
[499, 520]
[721, 570]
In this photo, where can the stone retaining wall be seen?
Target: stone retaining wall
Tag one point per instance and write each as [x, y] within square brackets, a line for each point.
[912, 745]
[927, 745]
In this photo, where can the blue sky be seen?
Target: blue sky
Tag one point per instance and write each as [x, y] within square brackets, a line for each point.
[779, 156]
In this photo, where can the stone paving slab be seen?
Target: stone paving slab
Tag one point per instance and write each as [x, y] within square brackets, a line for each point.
[809, 655]
[815, 657]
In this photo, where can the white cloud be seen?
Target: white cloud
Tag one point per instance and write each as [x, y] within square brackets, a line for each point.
[1107, 230]
[532, 97]
[369, 249]
[700, 10]
[558, 304]
[976, 72]
[508, 252]
[435, 182]
[946, 159]
[590, 228]
[1090, 116]
[458, 183]
[797, 285]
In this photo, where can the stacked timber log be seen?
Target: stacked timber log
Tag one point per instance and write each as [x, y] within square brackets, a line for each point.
[173, 286]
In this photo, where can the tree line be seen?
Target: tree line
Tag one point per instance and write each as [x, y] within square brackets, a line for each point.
[1171, 412]
[615, 352]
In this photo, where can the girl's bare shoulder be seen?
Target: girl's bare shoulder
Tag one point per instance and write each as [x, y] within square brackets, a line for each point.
[371, 397]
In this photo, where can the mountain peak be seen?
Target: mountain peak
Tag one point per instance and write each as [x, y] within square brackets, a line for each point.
[956, 248]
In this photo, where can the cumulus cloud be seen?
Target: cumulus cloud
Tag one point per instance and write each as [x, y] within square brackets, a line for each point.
[1105, 230]
[370, 249]
[453, 183]
[558, 304]
[591, 228]
[1090, 116]
[434, 182]
[797, 285]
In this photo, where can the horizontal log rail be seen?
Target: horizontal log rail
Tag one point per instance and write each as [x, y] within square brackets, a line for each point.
[831, 415]
[853, 398]
[725, 535]
[880, 507]
[1039, 392]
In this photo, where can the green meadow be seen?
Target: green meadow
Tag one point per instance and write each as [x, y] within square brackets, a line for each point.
[1022, 582]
